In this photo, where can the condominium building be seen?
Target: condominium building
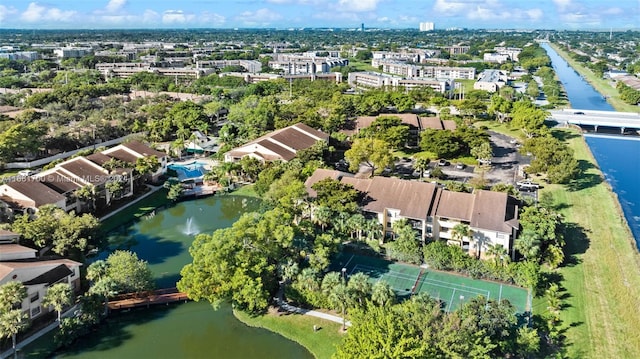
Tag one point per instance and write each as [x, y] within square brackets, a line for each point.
[427, 26]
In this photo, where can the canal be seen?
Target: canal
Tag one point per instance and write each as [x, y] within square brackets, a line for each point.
[190, 330]
[617, 156]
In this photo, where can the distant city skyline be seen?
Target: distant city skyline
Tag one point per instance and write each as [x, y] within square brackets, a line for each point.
[472, 14]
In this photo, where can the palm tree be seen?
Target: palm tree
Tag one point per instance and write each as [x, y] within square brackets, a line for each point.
[58, 296]
[382, 294]
[528, 244]
[460, 231]
[308, 279]
[339, 296]
[322, 216]
[499, 254]
[360, 287]
[554, 303]
[357, 222]
[11, 323]
[11, 293]
[373, 230]
[422, 164]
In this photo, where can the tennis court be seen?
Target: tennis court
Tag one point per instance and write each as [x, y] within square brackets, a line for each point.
[452, 289]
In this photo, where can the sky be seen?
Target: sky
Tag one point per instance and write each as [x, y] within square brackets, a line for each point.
[472, 14]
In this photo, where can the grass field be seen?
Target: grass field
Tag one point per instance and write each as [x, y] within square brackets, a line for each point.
[136, 210]
[454, 290]
[602, 279]
[299, 328]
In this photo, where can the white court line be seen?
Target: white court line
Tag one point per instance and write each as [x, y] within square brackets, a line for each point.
[451, 301]
[500, 295]
[349, 261]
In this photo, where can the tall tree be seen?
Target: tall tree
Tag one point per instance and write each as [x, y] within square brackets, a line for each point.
[382, 294]
[377, 154]
[11, 323]
[58, 296]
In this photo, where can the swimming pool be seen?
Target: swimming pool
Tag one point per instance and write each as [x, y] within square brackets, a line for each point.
[188, 171]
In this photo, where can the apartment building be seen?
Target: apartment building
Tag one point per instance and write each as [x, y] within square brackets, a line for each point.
[433, 212]
[279, 145]
[19, 263]
[368, 80]
[491, 80]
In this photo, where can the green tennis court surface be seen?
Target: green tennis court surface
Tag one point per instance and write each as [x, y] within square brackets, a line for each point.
[452, 289]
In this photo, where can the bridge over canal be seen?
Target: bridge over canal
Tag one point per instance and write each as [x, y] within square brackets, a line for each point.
[596, 119]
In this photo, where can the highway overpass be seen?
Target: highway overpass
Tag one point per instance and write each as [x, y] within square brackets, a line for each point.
[595, 119]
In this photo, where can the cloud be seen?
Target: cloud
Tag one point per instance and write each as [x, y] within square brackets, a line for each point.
[261, 17]
[454, 7]
[212, 19]
[358, 5]
[6, 12]
[40, 13]
[150, 16]
[563, 5]
[486, 10]
[115, 5]
[176, 17]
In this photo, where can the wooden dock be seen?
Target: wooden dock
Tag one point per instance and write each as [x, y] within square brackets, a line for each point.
[160, 296]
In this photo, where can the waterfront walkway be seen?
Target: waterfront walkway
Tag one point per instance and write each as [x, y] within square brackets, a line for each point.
[160, 296]
[314, 313]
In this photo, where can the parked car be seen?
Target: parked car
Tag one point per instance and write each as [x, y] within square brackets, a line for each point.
[527, 185]
[443, 162]
[460, 166]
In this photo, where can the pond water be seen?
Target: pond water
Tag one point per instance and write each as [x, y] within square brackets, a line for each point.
[191, 330]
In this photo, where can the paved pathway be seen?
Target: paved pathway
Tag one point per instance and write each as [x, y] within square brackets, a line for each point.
[38, 334]
[293, 309]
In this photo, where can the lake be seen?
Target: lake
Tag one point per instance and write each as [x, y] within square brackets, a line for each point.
[190, 330]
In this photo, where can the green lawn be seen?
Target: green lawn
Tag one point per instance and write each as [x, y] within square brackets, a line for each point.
[601, 85]
[137, 210]
[247, 191]
[602, 278]
[299, 328]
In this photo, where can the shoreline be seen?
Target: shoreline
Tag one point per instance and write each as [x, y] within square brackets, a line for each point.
[291, 326]
[602, 257]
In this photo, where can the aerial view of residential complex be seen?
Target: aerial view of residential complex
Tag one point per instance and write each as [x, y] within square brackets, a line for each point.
[319, 179]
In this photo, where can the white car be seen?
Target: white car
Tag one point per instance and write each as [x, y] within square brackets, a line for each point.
[527, 185]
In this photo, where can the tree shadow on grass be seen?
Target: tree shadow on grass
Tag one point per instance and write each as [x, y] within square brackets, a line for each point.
[565, 135]
[586, 179]
[577, 243]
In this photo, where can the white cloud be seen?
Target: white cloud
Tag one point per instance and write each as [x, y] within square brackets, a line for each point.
[613, 11]
[150, 16]
[358, 5]
[40, 13]
[486, 10]
[261, 17]
[176, 17]
[563, 5]
[454, 7]
[212, 19]
[115, 5]
[6, 12]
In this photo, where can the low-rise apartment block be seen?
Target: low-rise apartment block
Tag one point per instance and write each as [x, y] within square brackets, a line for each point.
[434, 212]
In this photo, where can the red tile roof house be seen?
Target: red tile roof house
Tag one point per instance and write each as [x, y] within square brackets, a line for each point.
[282, 144]
[19, 263]
[433, 212]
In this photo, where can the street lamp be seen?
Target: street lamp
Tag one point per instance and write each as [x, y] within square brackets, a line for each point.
[344, 274]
